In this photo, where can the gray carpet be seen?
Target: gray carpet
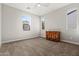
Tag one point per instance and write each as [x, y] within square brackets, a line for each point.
[39, 47]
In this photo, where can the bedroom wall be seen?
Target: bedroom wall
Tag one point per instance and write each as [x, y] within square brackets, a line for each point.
[12, 25]
[56, 20]
[0, 24]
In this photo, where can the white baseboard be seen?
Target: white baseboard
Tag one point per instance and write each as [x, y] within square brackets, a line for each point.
[8, 41]
[77, 43]
[69, 41]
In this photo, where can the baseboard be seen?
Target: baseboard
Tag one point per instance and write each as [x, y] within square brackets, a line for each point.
[68, 41]
[8, 41]
[77, 43]
[43, 37]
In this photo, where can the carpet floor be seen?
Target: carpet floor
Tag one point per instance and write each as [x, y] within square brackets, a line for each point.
[39, 47]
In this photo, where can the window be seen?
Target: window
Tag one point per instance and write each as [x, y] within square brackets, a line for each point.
[43, 22]
[26, 22]
[71, 19]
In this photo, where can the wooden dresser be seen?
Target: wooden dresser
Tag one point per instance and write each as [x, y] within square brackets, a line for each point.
[53, 36]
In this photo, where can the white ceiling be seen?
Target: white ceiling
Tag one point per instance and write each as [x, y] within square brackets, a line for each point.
[43, 9]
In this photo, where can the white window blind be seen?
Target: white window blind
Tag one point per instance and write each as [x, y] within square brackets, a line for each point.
[72, 19]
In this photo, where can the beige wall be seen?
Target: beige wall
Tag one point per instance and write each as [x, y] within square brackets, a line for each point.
[56, 20]
[12, 25]
[0, 24]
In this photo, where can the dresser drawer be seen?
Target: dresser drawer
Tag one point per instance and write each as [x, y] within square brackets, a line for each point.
[53, 35]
